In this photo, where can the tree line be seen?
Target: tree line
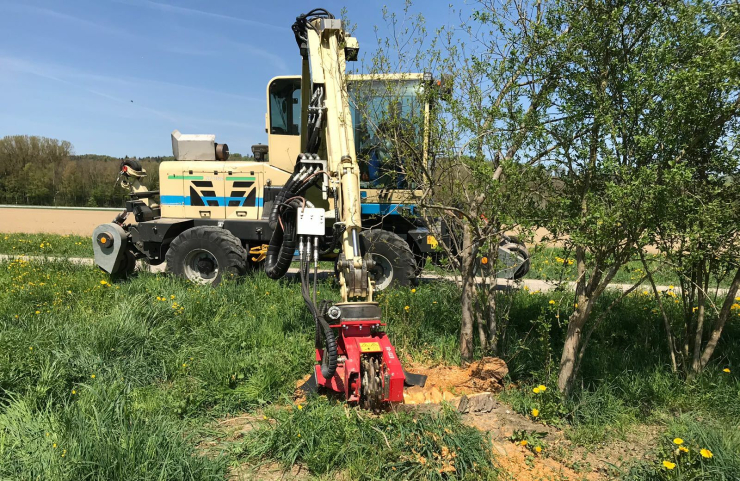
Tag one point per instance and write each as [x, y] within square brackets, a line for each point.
[43, 171]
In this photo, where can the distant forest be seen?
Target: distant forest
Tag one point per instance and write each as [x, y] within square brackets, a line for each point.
[43, 171]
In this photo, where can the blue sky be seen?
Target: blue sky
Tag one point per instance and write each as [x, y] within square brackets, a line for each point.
[116, 77]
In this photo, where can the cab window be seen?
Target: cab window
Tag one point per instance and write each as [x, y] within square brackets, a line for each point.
[285, 107]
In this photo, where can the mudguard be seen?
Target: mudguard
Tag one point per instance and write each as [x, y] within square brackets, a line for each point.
[109, 245]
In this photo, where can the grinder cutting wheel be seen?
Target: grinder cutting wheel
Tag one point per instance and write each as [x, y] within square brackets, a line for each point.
[358, 359]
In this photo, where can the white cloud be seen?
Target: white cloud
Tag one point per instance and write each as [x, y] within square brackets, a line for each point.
[166, 7]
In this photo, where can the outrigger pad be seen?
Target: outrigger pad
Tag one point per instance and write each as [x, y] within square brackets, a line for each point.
[414, 379]
[310, 386]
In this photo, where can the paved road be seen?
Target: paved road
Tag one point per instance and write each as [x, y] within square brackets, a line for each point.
[534, 285]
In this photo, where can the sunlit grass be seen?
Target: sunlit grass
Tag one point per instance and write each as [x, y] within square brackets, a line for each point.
[147, 360]
[46, 245]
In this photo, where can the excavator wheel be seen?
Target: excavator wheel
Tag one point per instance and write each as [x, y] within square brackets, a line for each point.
[394, 261]
[206, 255]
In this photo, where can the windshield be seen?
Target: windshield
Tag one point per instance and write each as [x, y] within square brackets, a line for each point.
[386, 117]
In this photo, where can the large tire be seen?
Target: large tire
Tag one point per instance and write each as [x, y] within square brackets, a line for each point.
[206, 255]
[395, 263]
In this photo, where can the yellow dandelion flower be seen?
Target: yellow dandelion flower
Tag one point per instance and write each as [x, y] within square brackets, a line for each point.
[74, 392]
[552, 301]
[406, 308]
[669, 465]
[264, 417]
[184, 364]
[413, 291]
[299, 435]
[535, 412]
[92, 376]
[706, 453]
[538, 449]
[678, 441]
[726, 370]
[172, 296]
[38, 312]
[542, 387]
[300, 407]
[524, 442]
[683, 449]
[30, 348]
[536, 390]
[670, 287]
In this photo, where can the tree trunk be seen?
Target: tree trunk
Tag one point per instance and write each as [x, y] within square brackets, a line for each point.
[492, 324]
[699, 330]
[666, 322]
[572, 343]
[467, 273]
[571, 346]
[724, 313]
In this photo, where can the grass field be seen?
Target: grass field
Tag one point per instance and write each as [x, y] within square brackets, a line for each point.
[102, 380]
[552, 264]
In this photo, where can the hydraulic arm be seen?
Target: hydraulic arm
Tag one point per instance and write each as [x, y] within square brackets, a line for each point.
[353, 354]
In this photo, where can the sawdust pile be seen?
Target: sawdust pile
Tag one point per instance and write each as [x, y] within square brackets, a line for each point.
[448, 382]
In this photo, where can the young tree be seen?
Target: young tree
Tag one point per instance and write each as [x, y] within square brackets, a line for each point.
[696, 222]
[480, 173]
[626, 93]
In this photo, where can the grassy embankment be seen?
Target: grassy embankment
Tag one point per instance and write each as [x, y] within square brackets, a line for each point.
[125, 377]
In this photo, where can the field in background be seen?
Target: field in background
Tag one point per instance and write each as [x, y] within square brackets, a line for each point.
[49, 220]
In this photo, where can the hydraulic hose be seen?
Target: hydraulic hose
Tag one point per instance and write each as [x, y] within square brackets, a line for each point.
[331, 354]
[283, 245]
[330, 358]
[284, 240]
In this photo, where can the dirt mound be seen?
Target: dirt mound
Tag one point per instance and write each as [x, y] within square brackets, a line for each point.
[446, 383]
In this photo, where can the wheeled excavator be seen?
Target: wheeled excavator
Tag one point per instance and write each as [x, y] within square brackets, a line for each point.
[357, 360]
[313, 210]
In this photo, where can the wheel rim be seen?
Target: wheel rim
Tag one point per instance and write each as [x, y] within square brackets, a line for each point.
[382, 272]
[201, 266]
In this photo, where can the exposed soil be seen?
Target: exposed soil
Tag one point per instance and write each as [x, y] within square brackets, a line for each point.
[559, 459]
[485, 375]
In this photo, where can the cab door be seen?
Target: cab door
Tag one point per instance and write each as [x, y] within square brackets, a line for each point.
[284, 121]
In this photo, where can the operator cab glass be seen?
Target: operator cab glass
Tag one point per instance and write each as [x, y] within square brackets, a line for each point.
[389, 122]
[285, 106]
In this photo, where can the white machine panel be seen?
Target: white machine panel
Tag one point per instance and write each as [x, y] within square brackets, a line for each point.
[311, 221]
[193, 146]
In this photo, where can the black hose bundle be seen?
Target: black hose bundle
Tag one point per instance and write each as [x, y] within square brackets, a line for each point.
[330, 358]
[283, 244]
[284, 240]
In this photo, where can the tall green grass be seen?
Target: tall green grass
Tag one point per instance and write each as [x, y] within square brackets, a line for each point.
[122, 374]
[110, 369]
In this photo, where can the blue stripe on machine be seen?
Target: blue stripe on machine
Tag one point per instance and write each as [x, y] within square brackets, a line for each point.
[174, 200]
[386, 209]
[185, 200]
